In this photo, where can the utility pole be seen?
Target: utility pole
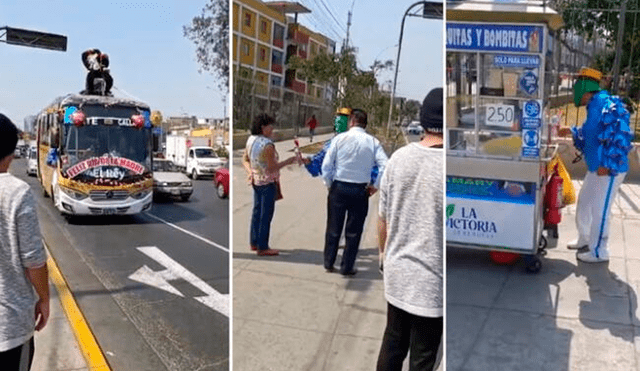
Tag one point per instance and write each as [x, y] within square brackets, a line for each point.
[616, 61]
[346, 44]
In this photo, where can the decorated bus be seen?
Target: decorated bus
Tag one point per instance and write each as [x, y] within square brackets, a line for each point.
[95, 153]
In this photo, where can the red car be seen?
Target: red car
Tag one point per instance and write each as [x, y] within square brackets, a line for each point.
[221, 180]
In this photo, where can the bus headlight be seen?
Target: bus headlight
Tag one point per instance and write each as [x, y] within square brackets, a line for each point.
[140, 195]
[76, 195]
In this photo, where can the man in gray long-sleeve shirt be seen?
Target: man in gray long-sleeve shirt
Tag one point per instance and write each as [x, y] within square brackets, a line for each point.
[411, 239]
[22, 262]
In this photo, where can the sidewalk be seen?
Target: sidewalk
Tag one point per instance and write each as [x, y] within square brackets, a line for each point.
[56, 346]
[570, 316]
[289, 314]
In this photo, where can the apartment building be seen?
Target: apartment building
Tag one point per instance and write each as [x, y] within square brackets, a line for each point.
[265, 36]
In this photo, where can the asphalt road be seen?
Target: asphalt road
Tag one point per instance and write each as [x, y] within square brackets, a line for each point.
[412, 137]
[177, 320]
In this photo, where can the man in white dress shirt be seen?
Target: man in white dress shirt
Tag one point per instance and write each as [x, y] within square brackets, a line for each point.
[346, 171]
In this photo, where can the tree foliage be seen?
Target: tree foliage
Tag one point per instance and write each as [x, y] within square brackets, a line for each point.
[210, 32]
[600, 20]
[351, 86]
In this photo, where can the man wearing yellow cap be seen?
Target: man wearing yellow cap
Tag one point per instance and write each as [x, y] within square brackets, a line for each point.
[605, 140]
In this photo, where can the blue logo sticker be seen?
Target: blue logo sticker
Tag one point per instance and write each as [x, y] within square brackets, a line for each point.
[532, 109]
[530, 138]
[529, 82]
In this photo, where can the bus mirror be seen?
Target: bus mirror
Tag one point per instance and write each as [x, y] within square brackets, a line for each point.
[156, 143]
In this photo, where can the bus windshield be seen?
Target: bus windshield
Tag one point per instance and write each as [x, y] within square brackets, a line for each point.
[114, 141]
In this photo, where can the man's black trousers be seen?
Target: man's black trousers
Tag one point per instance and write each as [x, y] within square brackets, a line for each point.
[350, 200]
[404, 332]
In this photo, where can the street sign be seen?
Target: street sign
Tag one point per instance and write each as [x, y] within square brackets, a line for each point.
[35, 39]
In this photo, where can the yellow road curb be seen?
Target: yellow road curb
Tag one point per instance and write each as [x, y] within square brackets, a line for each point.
[87, 342]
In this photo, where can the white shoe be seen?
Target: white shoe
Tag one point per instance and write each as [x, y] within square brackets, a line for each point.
[576, 245]
[587, 257]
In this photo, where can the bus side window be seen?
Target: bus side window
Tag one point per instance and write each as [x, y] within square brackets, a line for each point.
[53, 131]
[45, 130]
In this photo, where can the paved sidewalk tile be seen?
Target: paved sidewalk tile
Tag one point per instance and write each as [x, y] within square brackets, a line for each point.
[571, 316]
[289, 314]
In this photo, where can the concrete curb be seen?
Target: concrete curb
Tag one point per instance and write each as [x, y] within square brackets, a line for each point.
[86, 340]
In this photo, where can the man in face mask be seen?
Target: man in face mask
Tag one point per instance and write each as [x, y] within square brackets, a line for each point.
[605, 140]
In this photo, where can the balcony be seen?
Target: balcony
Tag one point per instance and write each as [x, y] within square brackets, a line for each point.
[297, 86]
[294, 35]
[279, 43]
[277, 68]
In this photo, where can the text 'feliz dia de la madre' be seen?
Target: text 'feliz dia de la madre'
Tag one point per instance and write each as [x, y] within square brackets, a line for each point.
[491, 38]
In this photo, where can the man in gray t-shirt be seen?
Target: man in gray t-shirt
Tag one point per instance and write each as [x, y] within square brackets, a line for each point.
[22, 262]
[410, 235]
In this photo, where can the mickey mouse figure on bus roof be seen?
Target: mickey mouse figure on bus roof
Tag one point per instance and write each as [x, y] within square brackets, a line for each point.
[98, 65]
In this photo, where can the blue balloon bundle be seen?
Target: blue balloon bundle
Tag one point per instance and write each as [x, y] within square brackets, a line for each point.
[615, 139]
[314, 167]
[52, 157]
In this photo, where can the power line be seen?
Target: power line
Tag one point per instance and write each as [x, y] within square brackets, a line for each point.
[331, 14]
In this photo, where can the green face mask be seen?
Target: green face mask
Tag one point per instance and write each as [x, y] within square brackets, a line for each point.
[340, 123]
[582, 87]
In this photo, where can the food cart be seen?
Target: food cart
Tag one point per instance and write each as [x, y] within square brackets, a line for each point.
[498, 139]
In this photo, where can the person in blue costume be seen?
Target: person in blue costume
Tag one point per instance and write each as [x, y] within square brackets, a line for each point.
[313, 164]
[605, 141]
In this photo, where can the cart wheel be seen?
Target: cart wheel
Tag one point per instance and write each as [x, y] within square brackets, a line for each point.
[533, 264]
[542, 246]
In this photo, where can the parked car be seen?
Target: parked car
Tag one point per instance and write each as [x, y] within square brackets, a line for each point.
[221, 181]
[415, 128]
[169, 182]
[32, 161]
[17, 153]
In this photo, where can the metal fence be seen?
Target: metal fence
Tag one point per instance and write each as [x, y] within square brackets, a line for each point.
[291, 109]
[611, 45]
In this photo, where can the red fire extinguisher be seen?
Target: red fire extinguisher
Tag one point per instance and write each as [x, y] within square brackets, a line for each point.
[553, 199]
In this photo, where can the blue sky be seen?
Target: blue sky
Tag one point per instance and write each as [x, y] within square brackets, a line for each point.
[375, 29]
[150, 59]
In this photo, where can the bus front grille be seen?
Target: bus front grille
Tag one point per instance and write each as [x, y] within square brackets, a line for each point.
[108, 195]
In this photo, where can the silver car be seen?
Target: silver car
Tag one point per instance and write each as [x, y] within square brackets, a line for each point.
[169, 182]
[32, 161]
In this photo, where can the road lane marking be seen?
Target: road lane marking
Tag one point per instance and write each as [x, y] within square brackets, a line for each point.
[159, 279]
[87, 343]
[189, 233]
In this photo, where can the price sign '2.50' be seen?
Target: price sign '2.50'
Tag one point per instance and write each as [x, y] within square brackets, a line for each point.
[500, 115]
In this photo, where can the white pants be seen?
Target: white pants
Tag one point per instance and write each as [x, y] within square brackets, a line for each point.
[594, 211]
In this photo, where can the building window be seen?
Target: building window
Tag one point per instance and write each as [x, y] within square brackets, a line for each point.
[263, 54]
[276, 57]
[263, 27]
[278, 32]
[276, 81]
[245, 49]
[247, 19]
